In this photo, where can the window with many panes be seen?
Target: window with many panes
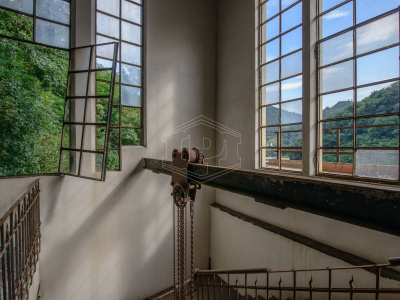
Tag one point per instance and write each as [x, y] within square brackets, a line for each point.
[122, 21]
[357, 87]
[281, 84]
[34, 44]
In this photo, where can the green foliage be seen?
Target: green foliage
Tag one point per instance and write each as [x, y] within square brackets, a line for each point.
[32, 89]
[382, 101]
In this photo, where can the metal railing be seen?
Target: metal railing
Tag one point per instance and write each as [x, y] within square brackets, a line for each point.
[321, 283]
[20, 244]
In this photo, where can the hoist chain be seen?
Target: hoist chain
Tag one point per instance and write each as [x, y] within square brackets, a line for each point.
[192, 249]
[183, 192]
[173, 242]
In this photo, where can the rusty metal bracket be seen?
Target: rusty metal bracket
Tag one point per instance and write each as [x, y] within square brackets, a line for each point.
[183, 189]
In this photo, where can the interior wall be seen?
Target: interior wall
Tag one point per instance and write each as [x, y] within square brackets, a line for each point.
[237, 95]
[113, 240]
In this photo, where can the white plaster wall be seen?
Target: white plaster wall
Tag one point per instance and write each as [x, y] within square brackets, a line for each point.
[236, 98]
[113, 240]
[268, 249]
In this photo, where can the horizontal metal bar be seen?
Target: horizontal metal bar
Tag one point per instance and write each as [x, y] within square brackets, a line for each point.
[118, 18]
[281, 57]
[32, 42]
[361, 86]
[358, 56]
[89, 97]
[82, 150]
[362, 204]
[124, 41]
[280, 80]
[281, 102]
[92, 70]
[281, 34]
[281, 12]
[354, 27]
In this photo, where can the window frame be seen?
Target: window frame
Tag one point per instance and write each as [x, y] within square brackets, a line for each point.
[119, 84]
[312, 159]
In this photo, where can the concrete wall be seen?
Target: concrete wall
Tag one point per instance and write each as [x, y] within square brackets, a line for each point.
[113, 240]
[236, 108]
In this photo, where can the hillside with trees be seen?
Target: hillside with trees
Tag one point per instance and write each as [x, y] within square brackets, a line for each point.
[382, 101]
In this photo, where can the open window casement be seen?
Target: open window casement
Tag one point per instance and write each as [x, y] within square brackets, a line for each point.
[88, 111]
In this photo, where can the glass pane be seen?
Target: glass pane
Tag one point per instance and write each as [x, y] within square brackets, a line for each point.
[131, 33]
[291, 139]
[367, 9]
[75, 109]
[270, 51]
[291, 112]
[131, 96]
[292, 160]
[131, 137]
[271, 116]
[132, 12]
[270, 72]
[271, 29]
[292, 17]
[101, 113]
[291, 65]
[338, 48]
[25, 6]
[78, 84]
[287, 3]
[131, 54]
[69, 162]
[384, 134]
[292, 88]
[52, 34]
[377, 164]
[106, 51]
[114, 138]
[16, 25]
[270, 93]
[91, 165]
[327, 4]
[337, 20]
[337, 77]
[107, 25]
[115, 115]
[292, 41]
[72, 136]
[131, 75]
[90, 142]
[378, 99]
[103, 63]
[378, 34]
[270, 9]
[269, 159]
[130, 117]
[113, 160]
[55, 10]
[109, 6]
[378, 66]
[338, 105]
[269, 137]
[80, 59]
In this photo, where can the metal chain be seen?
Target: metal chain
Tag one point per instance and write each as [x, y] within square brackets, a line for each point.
[173, 243]
[192, 249]
[185, 246]
[177, 290]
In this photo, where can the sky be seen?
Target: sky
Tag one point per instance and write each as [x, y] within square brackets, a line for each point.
[371, 68]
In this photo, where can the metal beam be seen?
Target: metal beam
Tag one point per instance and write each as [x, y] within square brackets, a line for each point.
[372, 206]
